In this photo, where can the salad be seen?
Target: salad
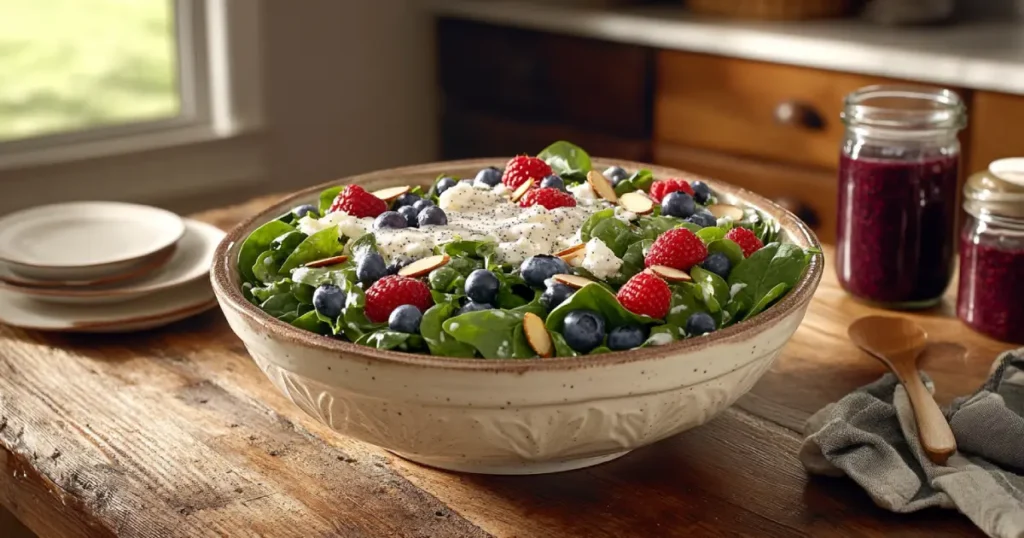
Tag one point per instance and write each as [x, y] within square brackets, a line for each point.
[545, 258]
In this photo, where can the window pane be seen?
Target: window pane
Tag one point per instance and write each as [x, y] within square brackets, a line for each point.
[68, 65]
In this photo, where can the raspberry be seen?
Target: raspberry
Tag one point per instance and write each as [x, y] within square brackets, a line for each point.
[678, 248]
[746, 240]
[355, 201]
[548, 197]
[392, 292]
[661, 188]
[521, 168]
[645, 294]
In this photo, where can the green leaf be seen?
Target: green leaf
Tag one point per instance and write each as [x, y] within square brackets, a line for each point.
[318, 246]
[778, 291]
[672, 331]
[641, 180]
[491, 332]
[327, 197]
[465, 266]
[730, 314]
[311, 322]
[765, 269]
[599, 350]
[280, 305]
[263, 293]
[600, 300]
[388, 339]
[686, 301]
[729, 248]
[562, 348]
[443, 279]
[592, 221]
[652, 227]
[520, 345]
[303, 293]
[363, 245]
[256, 244]
[283, 245]
[266, 269]
[636, 253]
[440, 342]
[711, 283]
[566, 158]
[710, 234]
[616, 235]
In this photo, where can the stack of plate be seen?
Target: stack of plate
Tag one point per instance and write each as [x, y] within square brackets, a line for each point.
[103, 267]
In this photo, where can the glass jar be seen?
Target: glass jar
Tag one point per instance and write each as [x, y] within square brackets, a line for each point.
[898, 172]
[991, 293]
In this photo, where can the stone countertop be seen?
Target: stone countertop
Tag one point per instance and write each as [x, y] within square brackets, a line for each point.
[981, 55]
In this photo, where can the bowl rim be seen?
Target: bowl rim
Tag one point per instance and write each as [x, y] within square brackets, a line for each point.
[227, 283]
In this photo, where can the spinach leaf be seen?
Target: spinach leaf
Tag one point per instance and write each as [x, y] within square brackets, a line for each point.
[352, 321]
[769, 297]
[652, 227]
[267, 268]
[507, 296]
[303, 293]
[439, 342]
[318, 246]
[764, 227]
[616, 235]
[765, 269]
[686, 301]
[520, 345]
[280, 305]
[566, 158]
[634, 256]
[710, 234]
[311, 322]
[672, 333]
[315, 276]
[445, 298]
[363, 245]
[599, 350]
[491, 332]
[729, 248]
[600, 300]
[443, 279]
[592, 221]
[562, 348]
[388, 339]
[641, 180]
[261, 294]
[730, 314]
[711, 283]
[327, 197]
[468, 248]
[256, 244]
[465, 266]
[283, 245]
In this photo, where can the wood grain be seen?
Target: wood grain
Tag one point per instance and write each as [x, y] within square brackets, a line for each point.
[994, 124]
[175, 432]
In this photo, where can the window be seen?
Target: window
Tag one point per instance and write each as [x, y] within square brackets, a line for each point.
[87, 78]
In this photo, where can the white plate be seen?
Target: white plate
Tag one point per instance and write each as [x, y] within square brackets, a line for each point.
[143, 313]
[190, 261]
[84, 240]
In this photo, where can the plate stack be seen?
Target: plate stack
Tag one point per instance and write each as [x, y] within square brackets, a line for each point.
[103, 267]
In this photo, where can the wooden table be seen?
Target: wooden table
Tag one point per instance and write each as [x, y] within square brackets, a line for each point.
[175, 432]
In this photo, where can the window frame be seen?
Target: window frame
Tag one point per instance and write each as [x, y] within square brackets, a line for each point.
[217, 45]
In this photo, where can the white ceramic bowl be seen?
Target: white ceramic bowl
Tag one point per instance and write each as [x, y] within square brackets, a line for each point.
[512, 416]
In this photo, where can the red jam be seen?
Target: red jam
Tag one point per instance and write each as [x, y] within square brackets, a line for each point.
[895, 240]
[991, 295]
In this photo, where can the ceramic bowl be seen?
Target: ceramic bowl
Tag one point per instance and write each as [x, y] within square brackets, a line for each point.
[512, 416]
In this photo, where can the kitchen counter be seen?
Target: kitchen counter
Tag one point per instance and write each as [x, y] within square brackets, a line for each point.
[974, 55]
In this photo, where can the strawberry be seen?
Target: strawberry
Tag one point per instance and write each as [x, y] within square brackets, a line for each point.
[678, 248]
[548, 197]
[355, 201]
[746, 239]
[645, 294]
[662, 187]
[392, 292]
[521, 168]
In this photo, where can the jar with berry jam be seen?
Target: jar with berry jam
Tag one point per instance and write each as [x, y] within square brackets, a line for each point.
[898, 171]
[991, 292]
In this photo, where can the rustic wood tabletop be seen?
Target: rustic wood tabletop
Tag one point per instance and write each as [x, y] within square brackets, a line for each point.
[176, 432]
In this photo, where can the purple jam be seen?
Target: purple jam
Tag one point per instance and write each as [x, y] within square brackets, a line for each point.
[895, 240]
[991, 295]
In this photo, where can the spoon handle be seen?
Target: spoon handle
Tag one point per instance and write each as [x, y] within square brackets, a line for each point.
[932, 427]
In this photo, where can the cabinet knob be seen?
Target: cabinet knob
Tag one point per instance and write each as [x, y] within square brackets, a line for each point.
[798, 114]
[805, 212]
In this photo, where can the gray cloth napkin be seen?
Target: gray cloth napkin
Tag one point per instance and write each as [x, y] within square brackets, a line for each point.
[871, 436]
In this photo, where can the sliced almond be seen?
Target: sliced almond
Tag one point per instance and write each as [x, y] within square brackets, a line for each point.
[602, 186]
[573, 281]
[537, 335]
[333, 260]
[425, 265]
[636, 202]
[670, 274]
[571, 250]
[726, 210]
[521, 190]
[574, 259]
[391, 193]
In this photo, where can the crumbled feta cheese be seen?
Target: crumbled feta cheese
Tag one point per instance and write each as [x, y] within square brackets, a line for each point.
[625, 216]
[600, 260]
[584, 192]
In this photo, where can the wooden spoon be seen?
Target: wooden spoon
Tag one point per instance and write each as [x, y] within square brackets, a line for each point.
[898, 342]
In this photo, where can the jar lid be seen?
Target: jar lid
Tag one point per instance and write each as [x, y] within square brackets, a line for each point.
[998, 191]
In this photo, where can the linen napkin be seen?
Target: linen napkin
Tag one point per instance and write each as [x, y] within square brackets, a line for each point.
[871, 436]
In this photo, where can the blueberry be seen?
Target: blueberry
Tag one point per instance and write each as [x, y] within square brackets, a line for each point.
[410, 215]
[390, 219]
[536, 269]
[328, 300]
[303, 210]
[420, 205]
[701, 192]
[444, 184]
[482, 286]
[473, 307]
[699, 323]
[678, 204]
[488, 176]
[584, 330]
[703, 218]
[406, 199]
[615, 174]
[432, 216]
[718, 263]
[555, 294]
[405, 319]
[370, 268]
[626, 337]
[553, 182]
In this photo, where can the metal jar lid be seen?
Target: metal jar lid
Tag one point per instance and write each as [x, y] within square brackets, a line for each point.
[998, 191]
